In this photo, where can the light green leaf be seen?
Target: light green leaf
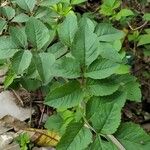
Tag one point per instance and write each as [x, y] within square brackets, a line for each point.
[2, 25]
[85, 44]
[7, 47]
[144, 39]
[105, 112]
[19, 36]
[8, 12]
[21, 18]
[124, 13]
[68, 29]
[102, 87]
[27, 5]
[10, 76]
[106, 32]
[75, 2]
[77, 137]
[133, 91]
[54, 123]
[133, 137]
[67, 68]
[146, 16]
[37, 33]
[65, 96]
[21, 61]
[123, 69]
[101, 69]
[100, 144]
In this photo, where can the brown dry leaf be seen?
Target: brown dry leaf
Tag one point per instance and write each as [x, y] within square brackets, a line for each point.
[43, 138]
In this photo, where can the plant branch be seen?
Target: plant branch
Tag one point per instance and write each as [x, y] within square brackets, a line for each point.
[116, 142]
[137, 28]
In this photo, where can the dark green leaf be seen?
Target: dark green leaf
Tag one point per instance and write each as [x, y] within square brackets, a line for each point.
[133, 137]
[21, 61]
[77, 137]
[37, 33]
[66, 96]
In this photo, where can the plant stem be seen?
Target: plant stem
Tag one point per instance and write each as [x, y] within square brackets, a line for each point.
[116, 142]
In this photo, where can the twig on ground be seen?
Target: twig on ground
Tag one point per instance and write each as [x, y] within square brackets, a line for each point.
[41, 118]
[137, 28]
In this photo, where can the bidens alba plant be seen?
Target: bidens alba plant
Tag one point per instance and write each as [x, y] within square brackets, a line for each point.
[80, 66]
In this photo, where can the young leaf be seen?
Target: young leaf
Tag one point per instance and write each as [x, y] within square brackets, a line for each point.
[102, 87]
[21, 18]
[77, 137]
[21, 61]
[85, 44]
[133, 137]
[105, 112]
[8, 12]
[106, 32]
[101, 69]
[19, 37]
[68, 29]
[27, 5]
[65, 96]
[75, 2]
[124, 13]
[7, 47]
[37, 33]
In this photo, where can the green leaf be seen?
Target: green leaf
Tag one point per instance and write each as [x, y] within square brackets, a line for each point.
[21, 18]
[133, 137]
[105, 112]
[58, 49]
[144, 39]
[8, 12]
[77, 137]
[75, 2]
[10, 76]
[19, 36]
[65, 96]
[27, 5]
[101, 69]
[100, 144]
[68, 29]
[48, 3]
[2, 25]
[21, 61]
[7, 47]
[54, 123]
[123, 69]
[67, 68]
[85, 44]
[134, 91]
[146, 16]
[106, 32]
[37, 33]
[108, 51]
[124, 13]
[102, 87]
[44, 62]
